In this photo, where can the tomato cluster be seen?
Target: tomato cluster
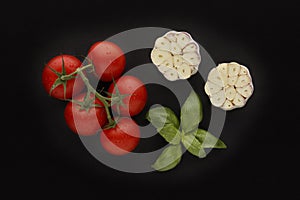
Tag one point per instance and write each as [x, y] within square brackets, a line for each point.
[88, 112]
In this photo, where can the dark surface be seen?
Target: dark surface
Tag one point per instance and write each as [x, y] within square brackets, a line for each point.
[40, 154]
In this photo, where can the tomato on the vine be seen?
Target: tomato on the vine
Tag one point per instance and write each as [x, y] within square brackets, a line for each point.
[121, 139]
[85, 116]
[108, 59]
[133, 95]
[53, 77]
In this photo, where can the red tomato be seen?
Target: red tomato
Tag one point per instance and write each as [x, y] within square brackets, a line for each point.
[137, 95]
[108, 59]
[85, 121]
[121, 139]
[49, 77]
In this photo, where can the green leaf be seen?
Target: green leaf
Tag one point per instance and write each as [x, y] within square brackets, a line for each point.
[191, 113]
[169, 158]
[193, 145]
[208, 140]
[57, 82]
[54, 71]
[162, 116]
[63, 69]
[170, 133]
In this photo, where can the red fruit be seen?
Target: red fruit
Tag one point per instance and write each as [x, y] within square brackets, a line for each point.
[108, 59]
[121, 139]
[85, 119]
[136, 100]
[52, 72]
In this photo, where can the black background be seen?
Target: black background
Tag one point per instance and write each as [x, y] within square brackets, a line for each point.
[41, 157]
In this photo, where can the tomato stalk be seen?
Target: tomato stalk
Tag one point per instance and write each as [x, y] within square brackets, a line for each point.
[70, 76]
[103, 99]
[90, 89]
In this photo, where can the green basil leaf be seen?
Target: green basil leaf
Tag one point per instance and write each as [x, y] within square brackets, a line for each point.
[191, 113]
[169, 158]
[162, 116]
[193, 145]
[208, 140]
[170, 133]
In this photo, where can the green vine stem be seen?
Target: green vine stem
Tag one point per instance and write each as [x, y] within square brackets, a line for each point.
[80, 69]
[91, 89]
[103, 99]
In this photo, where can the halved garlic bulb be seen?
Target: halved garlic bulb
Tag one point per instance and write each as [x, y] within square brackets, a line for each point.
[229, 85]
[179, 53]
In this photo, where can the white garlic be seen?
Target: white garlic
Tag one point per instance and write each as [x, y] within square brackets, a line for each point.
[229, 86]
[176, 51]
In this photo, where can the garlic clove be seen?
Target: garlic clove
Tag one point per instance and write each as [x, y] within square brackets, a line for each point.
[245, 91]
[227, 105]
[162, 44]
[182, 39]
[223, 70]
[159, 56]
[168, 63]
[194, 69]
[163, 69]
[215, 77]
[206, 89]
[218, 98]
[171, 75]
[238, 100]
[190, 47]
[231, 80]
[171, 36]
[242, 81]
[175, 48]
[178, 61]
[230, 93]
[212, 88]
[192, 58]
[184, 71]
[233, 69]
[244, 71]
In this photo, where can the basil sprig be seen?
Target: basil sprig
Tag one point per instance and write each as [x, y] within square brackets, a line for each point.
[166, 123]
[191, 113]
[169, 158]
[185, 133]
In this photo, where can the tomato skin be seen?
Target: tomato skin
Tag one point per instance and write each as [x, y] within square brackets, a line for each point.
[137, 98]
[73, 86]
[108, 59]
[84, 122]
[121, 139]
